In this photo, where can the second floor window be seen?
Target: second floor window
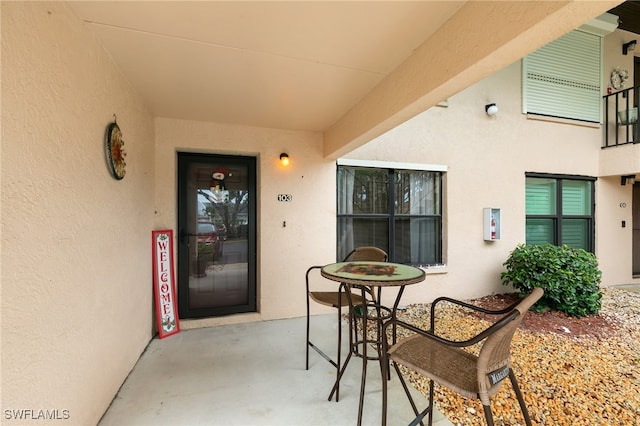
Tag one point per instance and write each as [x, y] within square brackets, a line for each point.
[399, 211]
[562, 79]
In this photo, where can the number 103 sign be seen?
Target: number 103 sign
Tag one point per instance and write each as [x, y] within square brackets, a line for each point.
[164, 288]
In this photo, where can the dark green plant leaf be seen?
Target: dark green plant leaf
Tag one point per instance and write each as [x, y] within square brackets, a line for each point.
[569, 277]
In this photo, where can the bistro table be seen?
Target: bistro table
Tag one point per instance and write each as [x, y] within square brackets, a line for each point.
[365, 275]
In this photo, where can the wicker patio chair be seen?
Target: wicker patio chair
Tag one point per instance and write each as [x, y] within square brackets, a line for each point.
[445, 362]
[338, 299]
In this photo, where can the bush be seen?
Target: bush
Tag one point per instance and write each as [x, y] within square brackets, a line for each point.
[569, 277]
[206, 250]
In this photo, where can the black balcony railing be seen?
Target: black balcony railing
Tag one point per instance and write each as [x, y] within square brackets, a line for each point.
[621, 118]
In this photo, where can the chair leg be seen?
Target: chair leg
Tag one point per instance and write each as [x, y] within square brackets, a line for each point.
[308, 313]
[341, 367]
[308, 343]
[523, 406]
[339, 347]
[419, 415]
[384, 364]
[317, 349]
[431, 392]
[487, 414]
[418, 420]
[386, 370]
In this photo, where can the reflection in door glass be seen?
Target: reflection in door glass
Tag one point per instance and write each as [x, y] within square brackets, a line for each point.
[219, 259]
[216, 216]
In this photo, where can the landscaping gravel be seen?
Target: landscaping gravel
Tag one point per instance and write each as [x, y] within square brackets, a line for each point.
[571, 371]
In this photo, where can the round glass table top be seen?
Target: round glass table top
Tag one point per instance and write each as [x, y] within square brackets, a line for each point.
[373, 273]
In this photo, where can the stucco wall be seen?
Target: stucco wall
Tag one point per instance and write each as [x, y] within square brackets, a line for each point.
[75, 244]
[284, 253]
[76, 262]
[614, 243]
[487, 158]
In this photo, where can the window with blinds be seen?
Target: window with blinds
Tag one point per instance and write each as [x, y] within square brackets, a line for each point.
[562, 79]
[397, 210]
[560, 210]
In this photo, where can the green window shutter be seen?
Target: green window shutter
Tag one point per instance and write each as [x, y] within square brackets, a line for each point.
[562, 79]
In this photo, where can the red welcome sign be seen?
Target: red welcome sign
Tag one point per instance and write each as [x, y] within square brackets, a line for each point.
[164, 287]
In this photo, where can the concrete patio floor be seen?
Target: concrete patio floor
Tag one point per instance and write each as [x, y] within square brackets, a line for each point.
[251, 374]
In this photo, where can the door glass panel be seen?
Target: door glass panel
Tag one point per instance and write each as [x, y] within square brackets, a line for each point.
[216, 271]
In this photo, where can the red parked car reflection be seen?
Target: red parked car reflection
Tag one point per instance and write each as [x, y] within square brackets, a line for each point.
[208, 234]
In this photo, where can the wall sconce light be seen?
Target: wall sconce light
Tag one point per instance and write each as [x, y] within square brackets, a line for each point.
[491, 109]
[284, 159]
[627, 179]
[628, 47]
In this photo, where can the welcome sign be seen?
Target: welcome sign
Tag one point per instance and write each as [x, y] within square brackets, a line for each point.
[164, 283]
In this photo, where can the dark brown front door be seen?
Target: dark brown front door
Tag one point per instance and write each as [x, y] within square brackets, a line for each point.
[216, 235]
[635, 205]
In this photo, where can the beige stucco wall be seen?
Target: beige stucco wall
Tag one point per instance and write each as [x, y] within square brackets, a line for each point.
[76, 256]
[75, 244]
[284, 253]
[487, 158]
[613, 242]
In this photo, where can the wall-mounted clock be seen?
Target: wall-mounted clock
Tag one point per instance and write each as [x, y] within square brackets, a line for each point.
[114, 150]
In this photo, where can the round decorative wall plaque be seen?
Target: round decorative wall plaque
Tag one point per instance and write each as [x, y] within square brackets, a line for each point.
[618, 78]
[114, 150]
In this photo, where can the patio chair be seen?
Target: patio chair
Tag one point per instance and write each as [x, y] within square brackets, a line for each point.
[338, 299]
[446, 362]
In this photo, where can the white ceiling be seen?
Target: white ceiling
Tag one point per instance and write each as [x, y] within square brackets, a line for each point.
[349, 69]
[289, 65]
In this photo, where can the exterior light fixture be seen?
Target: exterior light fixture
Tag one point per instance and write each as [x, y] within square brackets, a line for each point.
[491, 109]
[628, 47]
[627, 179]
[284, 159]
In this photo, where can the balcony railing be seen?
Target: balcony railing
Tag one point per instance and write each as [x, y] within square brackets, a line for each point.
[621, 118]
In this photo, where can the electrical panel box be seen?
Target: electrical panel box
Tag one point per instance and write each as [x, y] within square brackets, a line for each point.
[492, 224]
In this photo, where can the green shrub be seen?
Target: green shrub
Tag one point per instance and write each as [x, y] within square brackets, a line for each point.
[569, 277]
[205, 250]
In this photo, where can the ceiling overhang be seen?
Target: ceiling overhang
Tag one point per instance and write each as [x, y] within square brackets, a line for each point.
[349, 70]
[480, 39]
